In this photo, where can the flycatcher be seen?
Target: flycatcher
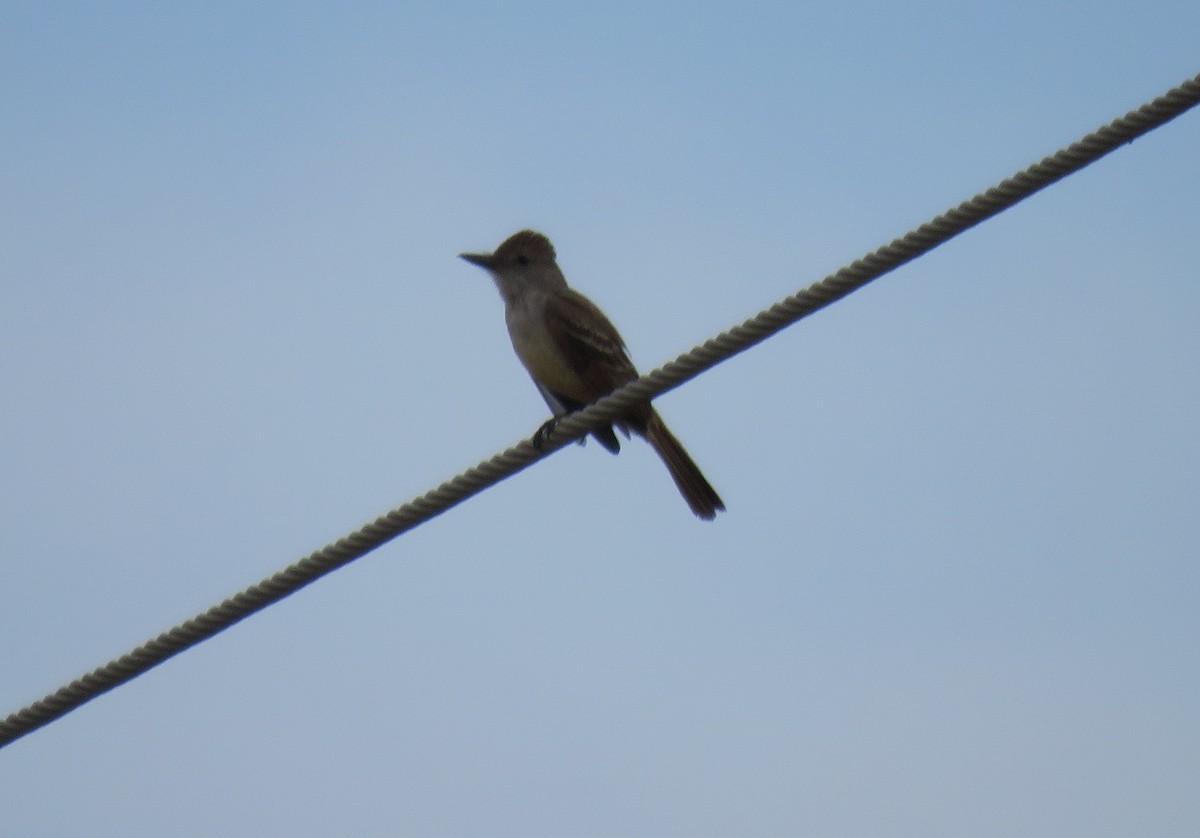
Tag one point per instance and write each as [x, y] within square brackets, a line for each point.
[575, 355]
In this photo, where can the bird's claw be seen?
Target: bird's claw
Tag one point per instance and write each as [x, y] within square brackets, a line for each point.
[539, 436]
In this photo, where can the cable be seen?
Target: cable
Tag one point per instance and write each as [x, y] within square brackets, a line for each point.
[672, 375]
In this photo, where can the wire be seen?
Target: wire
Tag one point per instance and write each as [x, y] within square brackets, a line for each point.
[672, 375]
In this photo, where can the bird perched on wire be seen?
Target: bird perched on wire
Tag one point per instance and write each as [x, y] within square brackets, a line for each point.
[576, 356]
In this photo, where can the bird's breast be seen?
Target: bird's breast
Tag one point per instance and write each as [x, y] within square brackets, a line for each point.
[539, 352]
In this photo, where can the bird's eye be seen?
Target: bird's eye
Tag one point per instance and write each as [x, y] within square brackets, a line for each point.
[522, 259]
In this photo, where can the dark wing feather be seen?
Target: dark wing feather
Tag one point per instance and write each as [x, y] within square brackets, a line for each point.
[590, 343]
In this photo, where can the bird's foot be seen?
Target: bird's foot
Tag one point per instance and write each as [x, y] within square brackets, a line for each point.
[539, 436]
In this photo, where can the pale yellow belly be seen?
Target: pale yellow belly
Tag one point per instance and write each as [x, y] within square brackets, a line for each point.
[541, 356]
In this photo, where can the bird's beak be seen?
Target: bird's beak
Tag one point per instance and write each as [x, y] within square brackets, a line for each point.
[483, 260]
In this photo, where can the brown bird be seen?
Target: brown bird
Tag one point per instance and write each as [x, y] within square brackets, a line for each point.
[576, 356]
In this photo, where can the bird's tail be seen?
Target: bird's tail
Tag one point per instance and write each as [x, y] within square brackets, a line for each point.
[696, 490]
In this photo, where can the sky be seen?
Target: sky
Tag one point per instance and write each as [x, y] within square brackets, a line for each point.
[955, 591]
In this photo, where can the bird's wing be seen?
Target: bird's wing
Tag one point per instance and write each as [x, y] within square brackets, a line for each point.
[590, 344]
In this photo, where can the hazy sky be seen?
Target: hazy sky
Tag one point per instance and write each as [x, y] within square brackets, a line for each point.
[956, 591]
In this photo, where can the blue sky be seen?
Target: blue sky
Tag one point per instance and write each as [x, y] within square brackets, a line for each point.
[956, 590]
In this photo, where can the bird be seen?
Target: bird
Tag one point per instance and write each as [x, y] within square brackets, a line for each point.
[576, 356]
